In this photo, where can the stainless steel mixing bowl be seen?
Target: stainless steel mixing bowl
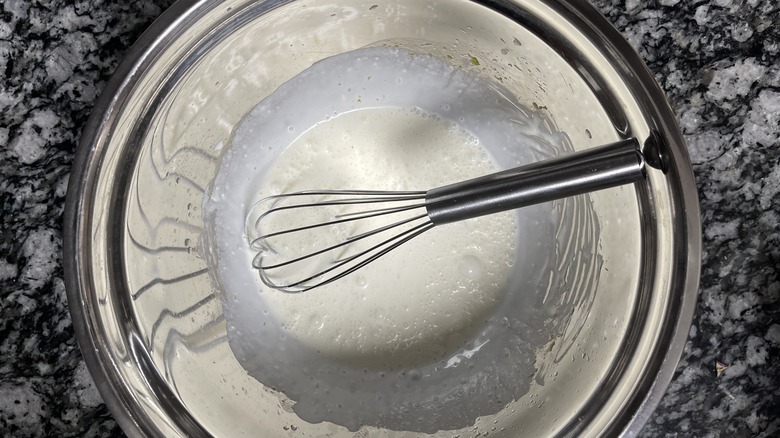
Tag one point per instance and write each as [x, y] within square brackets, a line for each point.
[148, 314]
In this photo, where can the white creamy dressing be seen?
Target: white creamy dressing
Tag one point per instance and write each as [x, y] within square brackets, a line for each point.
[424, 299]
[427, 337]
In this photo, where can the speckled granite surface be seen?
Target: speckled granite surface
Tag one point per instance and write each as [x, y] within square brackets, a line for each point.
[717, 60]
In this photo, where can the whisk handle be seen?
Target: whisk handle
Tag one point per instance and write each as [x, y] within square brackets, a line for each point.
[580, 172]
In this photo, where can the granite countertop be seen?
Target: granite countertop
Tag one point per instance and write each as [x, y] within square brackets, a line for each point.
[717, 60]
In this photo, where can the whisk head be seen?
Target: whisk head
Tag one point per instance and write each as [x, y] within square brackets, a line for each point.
[311, 238]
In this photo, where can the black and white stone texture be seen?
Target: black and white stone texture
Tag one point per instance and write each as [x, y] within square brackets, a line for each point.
[718, 62]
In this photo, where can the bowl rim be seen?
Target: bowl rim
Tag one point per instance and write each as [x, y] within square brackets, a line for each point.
[172, 22]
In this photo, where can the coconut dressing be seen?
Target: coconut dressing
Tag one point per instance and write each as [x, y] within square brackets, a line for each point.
[436, 333]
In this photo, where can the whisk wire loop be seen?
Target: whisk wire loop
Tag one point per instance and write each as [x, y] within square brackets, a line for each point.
[346, 241]
[360, 205]
[386, 246]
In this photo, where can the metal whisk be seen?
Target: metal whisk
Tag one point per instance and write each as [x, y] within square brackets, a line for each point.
[308, 239]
